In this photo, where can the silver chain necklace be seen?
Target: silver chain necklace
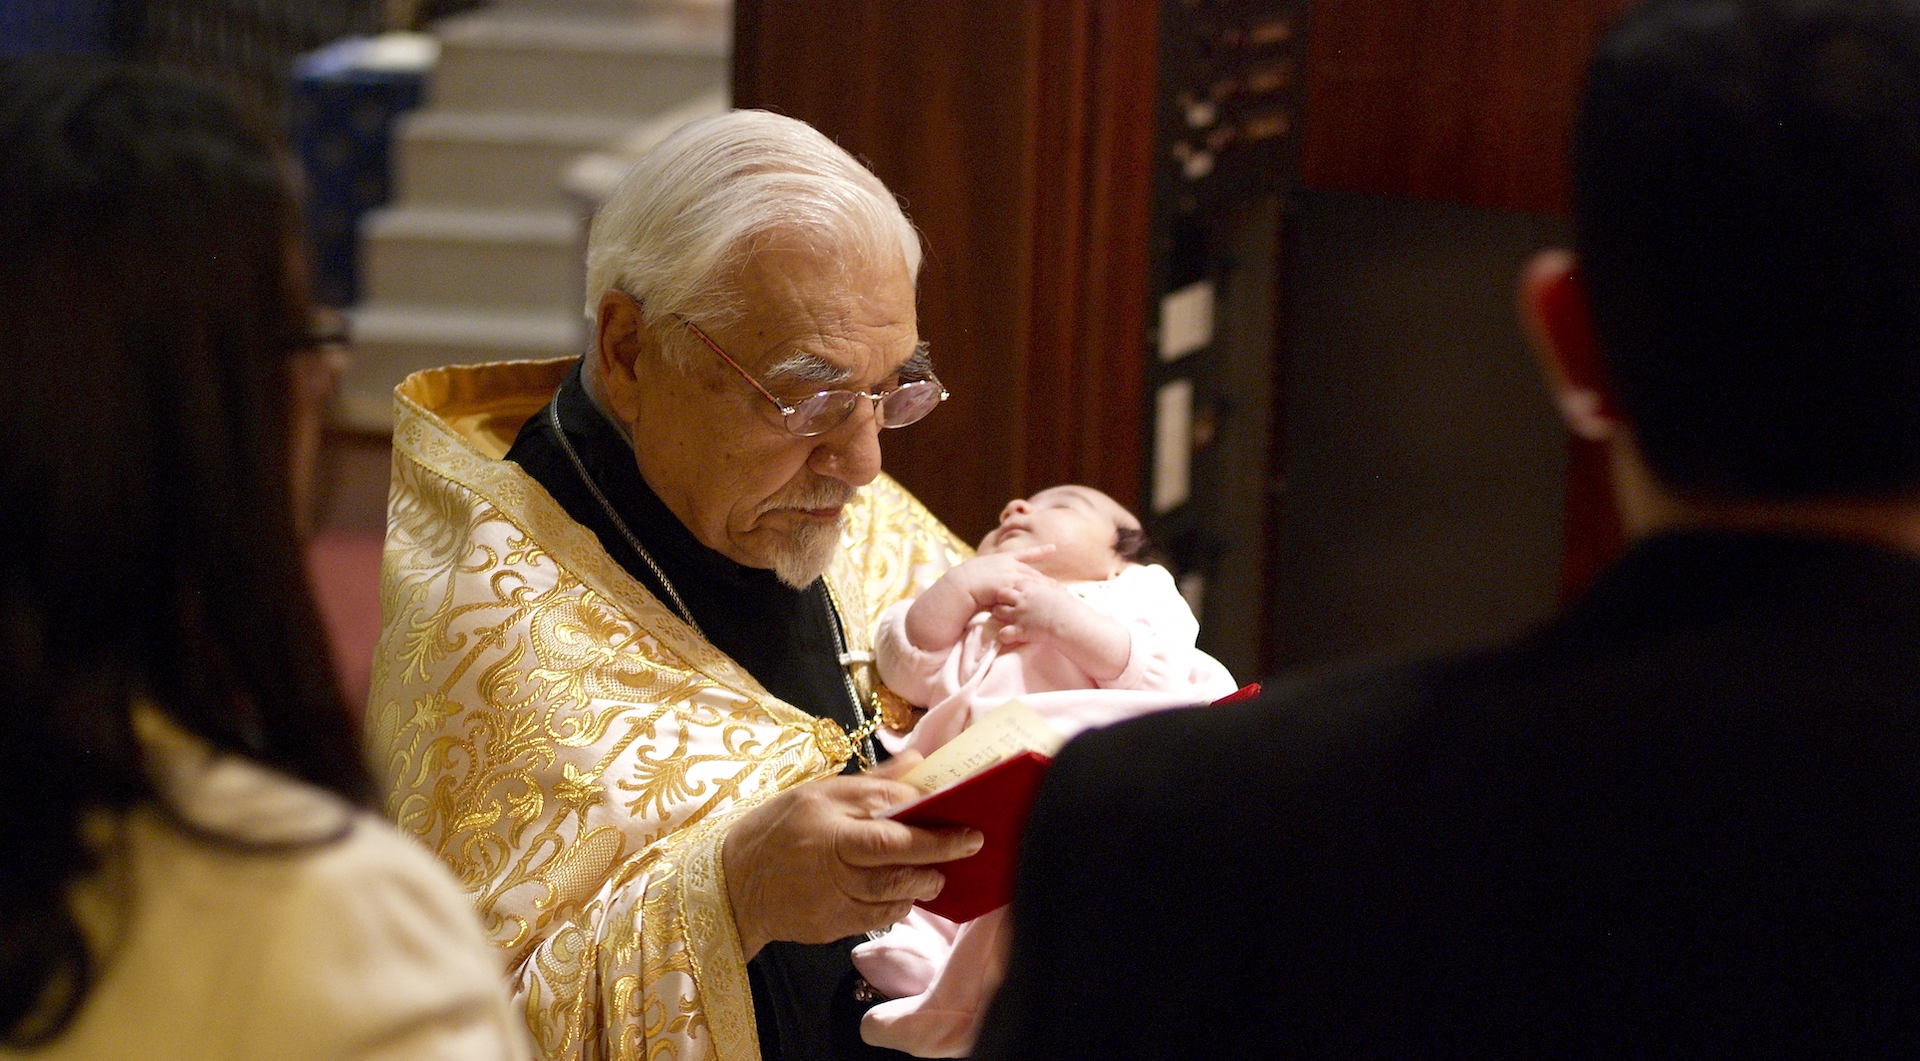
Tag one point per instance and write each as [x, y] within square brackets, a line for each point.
[580, 469]
[861, 736]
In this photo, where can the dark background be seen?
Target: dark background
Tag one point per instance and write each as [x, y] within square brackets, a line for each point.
[1418, 478]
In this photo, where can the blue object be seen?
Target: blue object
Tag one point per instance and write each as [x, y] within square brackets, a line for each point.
[55, 27]
[343, 114]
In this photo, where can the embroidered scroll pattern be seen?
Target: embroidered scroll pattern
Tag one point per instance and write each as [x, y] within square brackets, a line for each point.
[893, 547]
[574, 752]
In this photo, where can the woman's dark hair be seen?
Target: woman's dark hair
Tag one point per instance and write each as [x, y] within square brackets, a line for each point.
[151, 304]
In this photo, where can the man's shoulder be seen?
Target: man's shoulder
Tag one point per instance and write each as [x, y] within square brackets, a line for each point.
[536, 449]
[1291, 725]
[885, 509]
[888, 540]
[484, 406]
[1163, 851]
[1330, 745]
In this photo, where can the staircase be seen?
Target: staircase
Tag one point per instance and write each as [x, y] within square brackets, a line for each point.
[478, 258]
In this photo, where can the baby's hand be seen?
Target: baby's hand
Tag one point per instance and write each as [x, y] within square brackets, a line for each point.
[1040, 609]
[938, 617]
[1036, 608]
[983, 577]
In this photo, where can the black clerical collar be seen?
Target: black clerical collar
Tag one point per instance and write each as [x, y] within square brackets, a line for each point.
[608, 456]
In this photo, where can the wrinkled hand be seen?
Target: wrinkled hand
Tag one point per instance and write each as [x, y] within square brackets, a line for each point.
[811, 866]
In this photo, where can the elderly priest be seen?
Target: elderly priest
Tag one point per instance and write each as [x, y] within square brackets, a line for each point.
[623, 687]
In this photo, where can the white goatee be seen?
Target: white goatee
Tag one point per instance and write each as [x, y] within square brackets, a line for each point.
[806, 554]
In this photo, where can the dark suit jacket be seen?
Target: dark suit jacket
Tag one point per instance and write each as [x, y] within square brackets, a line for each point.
[1682, 820]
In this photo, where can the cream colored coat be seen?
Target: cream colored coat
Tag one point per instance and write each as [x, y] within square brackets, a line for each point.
[264, 918]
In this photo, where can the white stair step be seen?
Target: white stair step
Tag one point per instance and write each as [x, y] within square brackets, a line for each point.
[720, 9]
[453, 256]
[494, 159]
[590, 178]
[391, 342]
[719, 12]
[566, 63]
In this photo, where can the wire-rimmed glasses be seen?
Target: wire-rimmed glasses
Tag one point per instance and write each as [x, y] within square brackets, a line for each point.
[821, 412]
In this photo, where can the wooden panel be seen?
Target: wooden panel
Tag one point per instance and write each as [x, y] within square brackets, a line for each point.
[1423, 498]
[1093, 164]
[946, 128]
[1017, 132]
[1466, 101]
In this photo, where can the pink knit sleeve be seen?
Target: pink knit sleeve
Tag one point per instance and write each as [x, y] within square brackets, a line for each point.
[1164, 659]
[912, 672]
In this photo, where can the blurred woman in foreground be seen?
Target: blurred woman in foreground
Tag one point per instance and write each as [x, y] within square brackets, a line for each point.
[186, 867]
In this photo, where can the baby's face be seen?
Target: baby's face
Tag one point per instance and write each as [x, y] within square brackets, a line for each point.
[1081, 524]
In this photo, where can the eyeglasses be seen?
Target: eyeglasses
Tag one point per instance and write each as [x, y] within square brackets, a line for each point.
[325, 327]
[320, 355]
[908, 403]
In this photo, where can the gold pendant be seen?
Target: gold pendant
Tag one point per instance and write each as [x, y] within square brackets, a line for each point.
[893, 710]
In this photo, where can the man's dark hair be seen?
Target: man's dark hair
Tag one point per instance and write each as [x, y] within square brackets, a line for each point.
[1747, 196]
[151, 306]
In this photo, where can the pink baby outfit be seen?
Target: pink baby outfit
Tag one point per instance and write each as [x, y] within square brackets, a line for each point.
[940, 974]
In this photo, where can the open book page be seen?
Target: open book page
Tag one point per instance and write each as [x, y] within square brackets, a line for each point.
[1003, 733]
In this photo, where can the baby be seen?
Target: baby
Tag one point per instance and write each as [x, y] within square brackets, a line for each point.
[1059, 609]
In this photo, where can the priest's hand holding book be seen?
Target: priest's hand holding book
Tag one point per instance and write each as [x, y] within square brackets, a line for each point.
[814, 864]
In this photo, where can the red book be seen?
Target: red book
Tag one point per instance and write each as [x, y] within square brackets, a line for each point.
[995, 801]
[987, 778]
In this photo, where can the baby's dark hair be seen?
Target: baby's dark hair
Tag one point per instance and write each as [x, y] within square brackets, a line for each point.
[1136, 546]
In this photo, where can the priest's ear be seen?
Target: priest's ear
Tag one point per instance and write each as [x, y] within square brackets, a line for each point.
[623, 351]
[1559, 325]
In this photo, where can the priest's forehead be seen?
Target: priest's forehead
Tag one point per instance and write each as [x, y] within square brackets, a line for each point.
[816, 321]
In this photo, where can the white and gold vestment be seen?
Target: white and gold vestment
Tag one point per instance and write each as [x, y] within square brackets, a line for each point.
[571, 748]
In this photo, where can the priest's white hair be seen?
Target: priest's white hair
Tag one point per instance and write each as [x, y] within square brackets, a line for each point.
[678, 224]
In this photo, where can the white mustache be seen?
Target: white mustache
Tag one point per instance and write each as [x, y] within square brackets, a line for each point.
[830, 493]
